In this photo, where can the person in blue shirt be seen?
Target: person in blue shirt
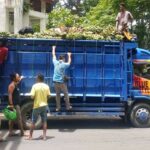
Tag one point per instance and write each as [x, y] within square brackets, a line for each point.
[58, 78]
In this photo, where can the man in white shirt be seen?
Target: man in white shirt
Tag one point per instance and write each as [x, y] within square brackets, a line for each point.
[124, 19]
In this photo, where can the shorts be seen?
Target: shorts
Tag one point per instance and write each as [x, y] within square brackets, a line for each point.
[41, 111]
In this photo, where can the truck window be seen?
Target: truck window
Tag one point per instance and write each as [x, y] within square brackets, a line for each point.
[142, 70]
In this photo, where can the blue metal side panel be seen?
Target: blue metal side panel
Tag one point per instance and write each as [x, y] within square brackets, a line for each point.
[128, 47]
[98, 69]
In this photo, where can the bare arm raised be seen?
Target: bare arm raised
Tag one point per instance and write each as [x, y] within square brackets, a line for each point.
[53, 52]
[69, 58]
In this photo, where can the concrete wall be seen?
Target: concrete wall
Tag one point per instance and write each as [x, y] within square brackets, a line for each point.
[18, 16]
[20, 20]
[3, 16]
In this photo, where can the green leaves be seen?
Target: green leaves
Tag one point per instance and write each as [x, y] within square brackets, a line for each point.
[102, 15]
[141, 13]
[61, 17]
[75, 33]
[4, 34]
[95, 19]
[26, 7]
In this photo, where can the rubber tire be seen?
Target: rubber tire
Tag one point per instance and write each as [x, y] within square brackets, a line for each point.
[133, 118]
[25, 109]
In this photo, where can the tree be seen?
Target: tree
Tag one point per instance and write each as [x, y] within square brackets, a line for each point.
[141, 13]
[106, 10]
[102, 15]
[88, 4]
[79, 7]
[73, 5]
[62, 17]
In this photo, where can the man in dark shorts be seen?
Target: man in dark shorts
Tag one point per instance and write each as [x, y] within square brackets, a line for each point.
[40, 93]
[14, 102]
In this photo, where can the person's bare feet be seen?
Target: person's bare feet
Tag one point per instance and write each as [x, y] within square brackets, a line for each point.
[44, 138]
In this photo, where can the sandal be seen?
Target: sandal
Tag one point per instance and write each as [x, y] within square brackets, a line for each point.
[2, 140]
[44, 138]
[13, 134]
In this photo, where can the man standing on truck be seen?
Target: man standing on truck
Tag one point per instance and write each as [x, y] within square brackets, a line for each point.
[40, 93]
[14, 102]
[59, 78]
[123, 20]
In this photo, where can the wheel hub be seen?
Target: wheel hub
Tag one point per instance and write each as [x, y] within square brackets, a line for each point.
[142, 114]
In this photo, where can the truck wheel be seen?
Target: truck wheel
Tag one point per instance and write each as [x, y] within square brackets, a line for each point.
[26, 111]
[140, 115]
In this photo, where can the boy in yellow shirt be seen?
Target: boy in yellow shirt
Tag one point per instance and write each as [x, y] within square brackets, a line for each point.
[39, 93]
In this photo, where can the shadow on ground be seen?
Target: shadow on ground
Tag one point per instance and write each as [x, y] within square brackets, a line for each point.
[70, 125]
[66, 125]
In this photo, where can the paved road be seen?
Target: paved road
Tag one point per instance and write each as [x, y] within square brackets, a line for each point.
[103, 134]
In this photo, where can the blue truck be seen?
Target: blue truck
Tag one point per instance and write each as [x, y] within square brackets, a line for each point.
[107, 78]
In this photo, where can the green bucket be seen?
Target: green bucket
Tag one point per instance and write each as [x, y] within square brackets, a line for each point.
[9, 113]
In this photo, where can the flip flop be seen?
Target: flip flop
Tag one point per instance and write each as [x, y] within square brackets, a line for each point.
[13, 134]
[40, 137]
[25, 135]
[43, 138]
[2, 140]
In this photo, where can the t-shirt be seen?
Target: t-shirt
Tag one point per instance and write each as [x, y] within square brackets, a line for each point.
[40, 92]
[16, 96]
[59, 70]
[3, 54]
[123, 18]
